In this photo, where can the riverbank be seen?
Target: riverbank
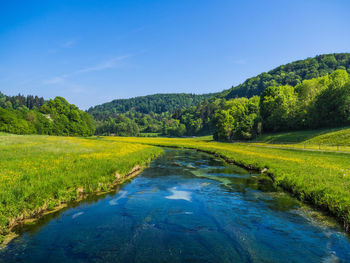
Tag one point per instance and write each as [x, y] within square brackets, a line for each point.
[187, 206]
[318, 178]
[40, 174]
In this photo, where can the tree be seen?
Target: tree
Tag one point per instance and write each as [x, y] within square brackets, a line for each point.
[332, 103]
[278, 108]
[239, 119]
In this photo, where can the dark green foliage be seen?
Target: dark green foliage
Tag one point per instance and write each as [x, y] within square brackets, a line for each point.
[157, 103]
[120, 126]
[292, 106]
[290, 74]
[15, 102]
[173, 128]
[56, 117]
[198, 119]
[152, 114]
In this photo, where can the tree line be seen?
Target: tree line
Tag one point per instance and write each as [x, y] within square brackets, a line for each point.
[157, 103]
[14, 102]
[290, 74]
[146, 114]
[188, 114]
[305, 94]
[53, 117]
[315, 103]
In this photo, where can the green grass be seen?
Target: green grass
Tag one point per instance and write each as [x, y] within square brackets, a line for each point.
[320, 140]
[149, 134]
[320, 178]
[324, 136]
[41, 172]
[340, 137]
[4, 134]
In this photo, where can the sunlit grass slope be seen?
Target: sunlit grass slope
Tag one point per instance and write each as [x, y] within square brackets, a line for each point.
[325, 136]
[41, 172]
[341, 137]
[322, 178]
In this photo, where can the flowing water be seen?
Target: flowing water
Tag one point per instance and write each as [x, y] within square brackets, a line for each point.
[186, 207]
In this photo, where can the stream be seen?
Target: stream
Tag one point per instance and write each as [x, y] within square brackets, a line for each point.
[186, 207]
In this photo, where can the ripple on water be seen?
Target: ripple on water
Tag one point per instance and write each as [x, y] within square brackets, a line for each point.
[121, 194]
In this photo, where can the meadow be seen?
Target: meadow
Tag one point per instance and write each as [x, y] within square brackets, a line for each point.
[40, 173]
[321, 178]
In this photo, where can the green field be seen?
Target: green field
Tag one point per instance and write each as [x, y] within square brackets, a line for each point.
[39, 173]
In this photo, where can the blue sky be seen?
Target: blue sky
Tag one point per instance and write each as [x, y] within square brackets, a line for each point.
[92, 52]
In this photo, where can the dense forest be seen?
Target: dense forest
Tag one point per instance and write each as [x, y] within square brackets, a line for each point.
[14, 102]
[315, 103]
[146, 114]
[304, 94]
[290, 74]
[157, 103]
[188, 115]
[33, 115]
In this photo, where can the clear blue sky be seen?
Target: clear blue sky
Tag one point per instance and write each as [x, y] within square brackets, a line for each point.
[91, 52]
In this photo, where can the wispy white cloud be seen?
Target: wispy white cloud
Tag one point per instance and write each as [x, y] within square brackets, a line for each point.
[107, 64]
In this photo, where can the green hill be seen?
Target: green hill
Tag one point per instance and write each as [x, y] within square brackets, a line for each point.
[157, 103]
[291, 74]
[190, 114]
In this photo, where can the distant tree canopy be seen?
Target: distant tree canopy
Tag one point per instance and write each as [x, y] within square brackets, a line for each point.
[304, 94]
[55, 117]
[288, 91]
[14, 102]
[120, 126]
[290, 74]
[151, 114]
[198, 119]
[157, 103]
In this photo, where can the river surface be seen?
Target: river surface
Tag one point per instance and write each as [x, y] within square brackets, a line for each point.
[186, 207]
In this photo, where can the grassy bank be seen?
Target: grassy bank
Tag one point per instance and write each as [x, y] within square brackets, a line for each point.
[335, 136]
[41, 172]
[321, 178]
[319, 140]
